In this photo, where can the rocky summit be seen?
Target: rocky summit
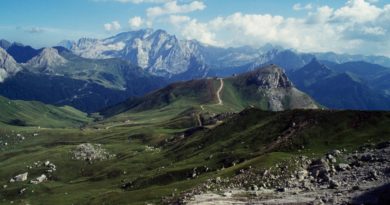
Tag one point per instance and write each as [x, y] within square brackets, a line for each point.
[47, 59]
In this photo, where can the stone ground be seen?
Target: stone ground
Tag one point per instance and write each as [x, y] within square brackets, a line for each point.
[360, 177]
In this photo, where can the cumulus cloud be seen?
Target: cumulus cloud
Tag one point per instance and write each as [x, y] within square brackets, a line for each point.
[359, 11]
[113, 26]
[136, 22]
[192, 29]
[356, 27]
[172, 7]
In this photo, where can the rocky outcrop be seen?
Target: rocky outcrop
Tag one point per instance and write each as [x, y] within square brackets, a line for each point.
[48, 59]
[19, 177]
[275, 88]
[270, 77]
[90, 153]
[362, 178]
[8, 66]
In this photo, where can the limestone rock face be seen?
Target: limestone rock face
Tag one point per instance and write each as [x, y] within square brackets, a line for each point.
[157, 51]
[272, 77]
[47, 59]
[8, 66]
[275, 87]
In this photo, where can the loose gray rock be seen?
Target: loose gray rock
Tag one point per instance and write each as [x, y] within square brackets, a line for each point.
[319, 169]
[343, 167]
[89, 152]
[39, 179]
[333, 184]
[20, 177]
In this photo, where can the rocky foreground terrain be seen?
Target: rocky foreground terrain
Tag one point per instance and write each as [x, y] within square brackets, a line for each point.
[339, 177]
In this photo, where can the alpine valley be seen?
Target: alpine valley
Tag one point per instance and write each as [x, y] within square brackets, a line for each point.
[143, 117]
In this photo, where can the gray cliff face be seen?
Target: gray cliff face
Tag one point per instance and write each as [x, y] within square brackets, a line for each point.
[274, 88]
[273, 77]
[48, 59]
[163, 54]
[8, 66]
[155, 51]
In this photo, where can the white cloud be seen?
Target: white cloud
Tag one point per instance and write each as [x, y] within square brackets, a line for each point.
[192, 29]
[177, 19]
[379, 31]
[113, 26]
[136, 22]
[321, 15]
[356, 27]
[358, 10]
[172, 7]
[298, 7]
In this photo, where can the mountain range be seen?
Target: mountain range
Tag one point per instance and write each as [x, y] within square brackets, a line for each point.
[342, 86]
[163, 54]
[103, 72]
[56, 76]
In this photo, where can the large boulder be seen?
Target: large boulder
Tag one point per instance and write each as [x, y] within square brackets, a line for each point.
[20, 177]
[319, 169]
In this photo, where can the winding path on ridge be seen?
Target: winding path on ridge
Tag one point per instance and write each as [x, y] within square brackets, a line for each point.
[219, 92]
[220, 102]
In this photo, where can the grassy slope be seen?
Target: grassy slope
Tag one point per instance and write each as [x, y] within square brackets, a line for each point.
[33, 113]
[248, 139]
[200, 96]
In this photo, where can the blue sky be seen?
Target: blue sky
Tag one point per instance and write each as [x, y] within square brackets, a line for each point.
[344, 26]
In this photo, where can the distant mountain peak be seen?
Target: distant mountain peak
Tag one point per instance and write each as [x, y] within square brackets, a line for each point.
[48, 58]
[314, 62]
[315, 66]
[8, 66]
[267, 77]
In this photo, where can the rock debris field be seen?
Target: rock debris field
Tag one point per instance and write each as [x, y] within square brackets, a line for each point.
[359, 177]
